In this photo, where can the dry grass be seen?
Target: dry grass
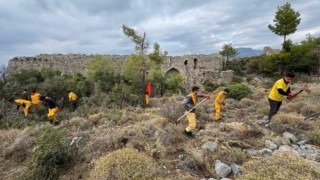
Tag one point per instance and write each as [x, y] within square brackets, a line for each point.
[291, 122]
[281, 166]
[125, 164]
[153, 134]
[230, 155]
[314, 134]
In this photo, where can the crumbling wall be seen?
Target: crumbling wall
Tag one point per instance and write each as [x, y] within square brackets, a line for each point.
[195, 68]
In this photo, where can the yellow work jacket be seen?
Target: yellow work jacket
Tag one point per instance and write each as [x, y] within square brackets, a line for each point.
[280, 84]
[220, 96]
[35, 98]
[72, 96]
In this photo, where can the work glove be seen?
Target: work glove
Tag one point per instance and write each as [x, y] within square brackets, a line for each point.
[207, 96]
[291, 95]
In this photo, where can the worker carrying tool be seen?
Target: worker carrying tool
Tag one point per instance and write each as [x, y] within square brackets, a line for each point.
[190, 103]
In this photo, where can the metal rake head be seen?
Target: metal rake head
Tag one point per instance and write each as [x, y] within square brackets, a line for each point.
[306, 88]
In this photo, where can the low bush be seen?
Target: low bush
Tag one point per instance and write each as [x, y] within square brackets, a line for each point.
[314, 135]
[125, 164]
[238, 91]
[281, 166]
[291, 122]
[209, 86]
[52, 156]
[230, 155]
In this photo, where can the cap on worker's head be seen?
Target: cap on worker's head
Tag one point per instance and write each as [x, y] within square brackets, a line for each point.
[11, 99]
[195, 88]
[68, 91]
[289, 74]
[42, 98]
[226, 90]
[33, 91]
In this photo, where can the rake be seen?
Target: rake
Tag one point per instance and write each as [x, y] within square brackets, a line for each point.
[303, 88]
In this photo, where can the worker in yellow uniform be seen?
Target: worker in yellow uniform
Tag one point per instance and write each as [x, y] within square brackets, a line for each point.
[189, 104]
[219, 102]
[35, 98]
[21, 102]
[280, 89]
[52, 105]
[72, 99]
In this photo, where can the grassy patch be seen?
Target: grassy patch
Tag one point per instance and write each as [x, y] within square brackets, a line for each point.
[281, 166]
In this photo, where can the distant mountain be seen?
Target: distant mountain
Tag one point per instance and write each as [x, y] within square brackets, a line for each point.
[248, 52]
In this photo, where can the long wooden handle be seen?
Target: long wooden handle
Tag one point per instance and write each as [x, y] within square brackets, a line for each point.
[191, 110]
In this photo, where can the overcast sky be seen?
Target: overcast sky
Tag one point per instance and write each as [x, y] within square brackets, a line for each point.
[181, 27]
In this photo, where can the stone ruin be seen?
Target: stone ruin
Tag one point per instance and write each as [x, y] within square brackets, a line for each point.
[195, 68]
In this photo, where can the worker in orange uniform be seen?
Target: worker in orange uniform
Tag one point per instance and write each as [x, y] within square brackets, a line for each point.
[21, 102]
[35, 98]
[72, 99]
[219, 102]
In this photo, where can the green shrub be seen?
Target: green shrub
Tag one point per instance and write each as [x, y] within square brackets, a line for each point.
[125, 164]
[53, 155]
[281, 166]
[237, 79]
[15, 123]
[238, 91]
[209, 86]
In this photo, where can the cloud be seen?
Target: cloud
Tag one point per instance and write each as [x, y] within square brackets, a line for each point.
[180, 27]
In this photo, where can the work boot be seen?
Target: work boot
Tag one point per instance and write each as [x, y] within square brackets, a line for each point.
[56, 123]
[188, 134]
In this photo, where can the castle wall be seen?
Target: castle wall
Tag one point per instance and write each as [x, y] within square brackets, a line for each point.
[67, 64]
[195, 68]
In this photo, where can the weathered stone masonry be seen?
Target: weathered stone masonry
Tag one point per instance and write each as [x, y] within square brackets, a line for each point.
[195, 68]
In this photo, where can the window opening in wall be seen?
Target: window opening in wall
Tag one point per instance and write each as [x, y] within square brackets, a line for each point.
[195, 63]
[186, 62]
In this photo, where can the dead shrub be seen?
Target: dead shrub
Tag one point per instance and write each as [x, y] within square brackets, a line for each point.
[172, 111]
[291, 122]
[7, 137]
[311, 105]
[281, 166]
[78, 123]
[314, 134]
[20, 149]
[198, 160]
[247, 102]
[229, 155]
[125, 164]
[95, 118]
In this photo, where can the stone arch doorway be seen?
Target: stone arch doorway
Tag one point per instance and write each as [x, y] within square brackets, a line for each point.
[172, 71]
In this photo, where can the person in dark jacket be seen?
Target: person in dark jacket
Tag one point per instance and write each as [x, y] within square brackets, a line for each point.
[52, 106]
[189, 104]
